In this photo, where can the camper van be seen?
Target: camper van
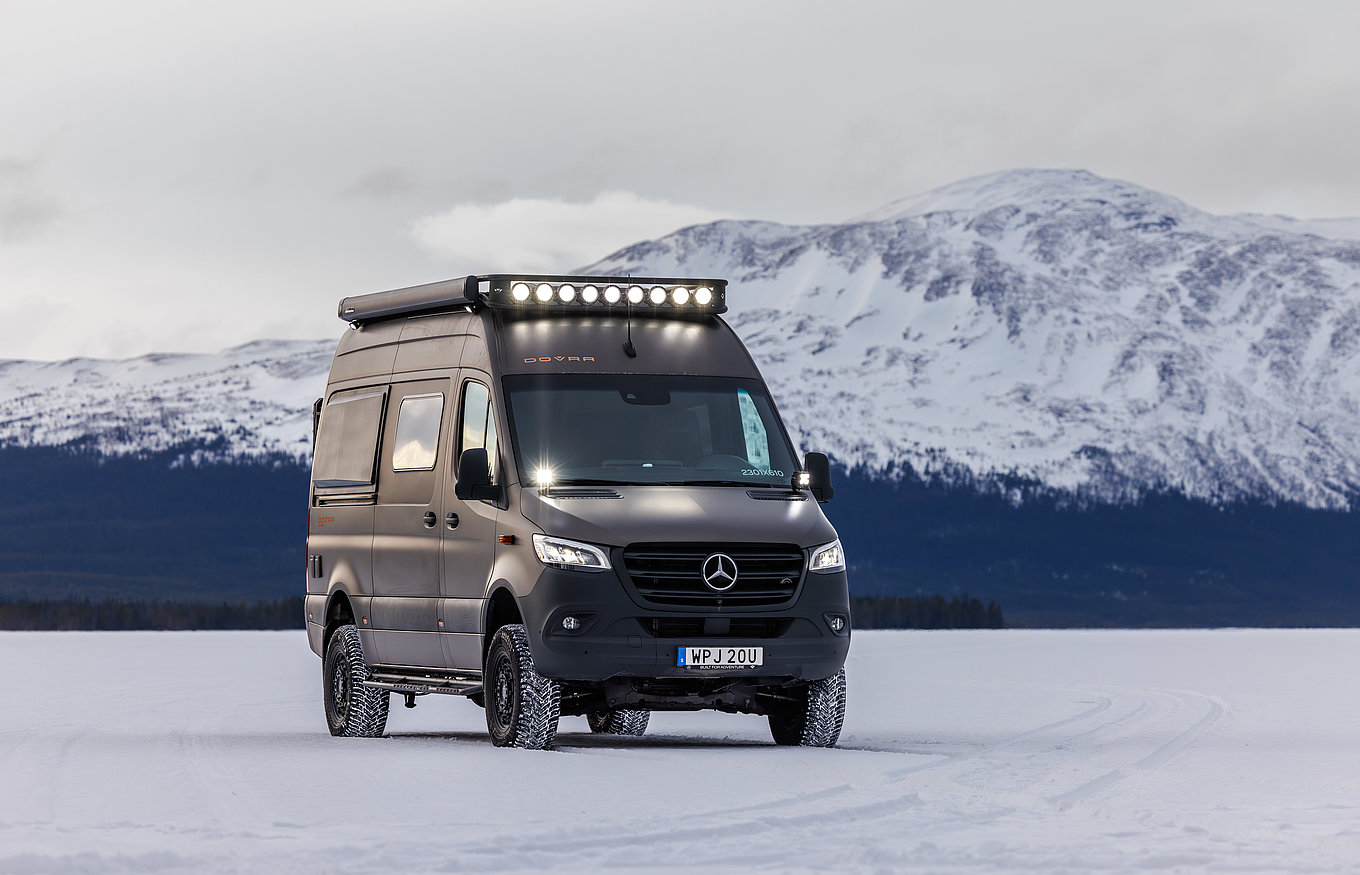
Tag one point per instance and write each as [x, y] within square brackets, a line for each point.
[567, 495]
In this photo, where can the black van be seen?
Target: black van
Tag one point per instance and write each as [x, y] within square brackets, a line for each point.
[567, 495]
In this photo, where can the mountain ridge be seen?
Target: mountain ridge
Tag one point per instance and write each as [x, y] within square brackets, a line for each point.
[1105, 341]
[1051, 329]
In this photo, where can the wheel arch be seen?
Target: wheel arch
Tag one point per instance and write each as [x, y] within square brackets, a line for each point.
[339, 611]
[501, 610]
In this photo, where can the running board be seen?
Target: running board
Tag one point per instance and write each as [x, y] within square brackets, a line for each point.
[421, 684]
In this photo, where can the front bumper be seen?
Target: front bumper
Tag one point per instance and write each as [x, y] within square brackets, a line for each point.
[620, 638]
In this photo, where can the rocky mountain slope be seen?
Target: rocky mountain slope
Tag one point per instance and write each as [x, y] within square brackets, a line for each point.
[1087, 335]
[252, 401]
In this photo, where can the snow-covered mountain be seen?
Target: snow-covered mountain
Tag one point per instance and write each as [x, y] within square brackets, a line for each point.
[1089, 334]
[1093, 336]
[251, 401]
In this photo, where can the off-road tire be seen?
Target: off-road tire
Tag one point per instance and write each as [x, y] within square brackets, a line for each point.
[522, 706]
[352, 709]
[815, 718]
[624, 721]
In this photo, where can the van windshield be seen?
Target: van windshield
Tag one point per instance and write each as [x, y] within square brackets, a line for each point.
[623, 429]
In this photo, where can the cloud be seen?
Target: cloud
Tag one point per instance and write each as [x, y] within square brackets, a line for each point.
[381, 182]
[25, 209]
[545, 235]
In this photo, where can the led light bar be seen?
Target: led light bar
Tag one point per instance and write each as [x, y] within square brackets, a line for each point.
[538, 293]
[535, 293]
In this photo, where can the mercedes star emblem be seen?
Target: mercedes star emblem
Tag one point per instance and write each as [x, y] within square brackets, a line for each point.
[720, 572]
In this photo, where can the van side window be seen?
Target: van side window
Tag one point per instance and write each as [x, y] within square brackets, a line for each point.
[417, 441]
[753, 428]
[347, 440]
[479, 425]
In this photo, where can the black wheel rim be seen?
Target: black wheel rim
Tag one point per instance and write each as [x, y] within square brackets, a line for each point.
[340, 686]
[504, 684]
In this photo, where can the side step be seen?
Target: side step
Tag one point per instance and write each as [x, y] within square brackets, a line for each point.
[456, 685]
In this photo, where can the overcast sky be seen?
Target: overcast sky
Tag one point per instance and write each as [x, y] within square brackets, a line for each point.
[188, 176]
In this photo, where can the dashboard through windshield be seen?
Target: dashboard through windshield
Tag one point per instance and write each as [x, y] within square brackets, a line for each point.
[620, 429]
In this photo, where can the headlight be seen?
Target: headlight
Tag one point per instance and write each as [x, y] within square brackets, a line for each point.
[825, 559]
[561, 553]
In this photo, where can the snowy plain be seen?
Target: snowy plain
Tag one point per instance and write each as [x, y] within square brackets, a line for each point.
[1015, 750]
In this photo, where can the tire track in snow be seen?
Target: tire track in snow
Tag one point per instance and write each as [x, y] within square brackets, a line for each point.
[751, 828]
[1157, 757]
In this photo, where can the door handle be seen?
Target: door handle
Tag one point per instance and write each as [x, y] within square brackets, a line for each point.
[430, 519]
[451, 520]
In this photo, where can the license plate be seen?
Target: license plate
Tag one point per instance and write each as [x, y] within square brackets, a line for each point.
[721, 657]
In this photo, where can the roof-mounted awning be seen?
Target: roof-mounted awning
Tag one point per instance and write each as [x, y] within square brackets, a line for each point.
[546, 295]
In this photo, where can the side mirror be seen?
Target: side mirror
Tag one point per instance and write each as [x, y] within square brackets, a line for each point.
[474, 477]
[818, 468]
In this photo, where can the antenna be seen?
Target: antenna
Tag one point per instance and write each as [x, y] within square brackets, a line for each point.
[628, 348]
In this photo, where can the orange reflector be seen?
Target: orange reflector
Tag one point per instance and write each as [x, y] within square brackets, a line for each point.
[506, 539]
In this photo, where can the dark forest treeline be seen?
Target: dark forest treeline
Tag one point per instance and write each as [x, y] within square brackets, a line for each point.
[910, 612]
[925, 612]
[87, 616]
[151, 528]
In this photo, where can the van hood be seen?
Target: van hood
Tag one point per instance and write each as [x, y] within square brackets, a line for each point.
[679, 514]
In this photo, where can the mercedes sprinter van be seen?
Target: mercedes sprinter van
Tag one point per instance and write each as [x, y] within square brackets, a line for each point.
[562, 495]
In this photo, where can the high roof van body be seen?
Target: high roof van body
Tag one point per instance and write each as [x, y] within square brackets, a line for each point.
[567, 495]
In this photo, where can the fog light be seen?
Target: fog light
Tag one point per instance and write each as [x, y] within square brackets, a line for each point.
[837, 622]
[571, 624]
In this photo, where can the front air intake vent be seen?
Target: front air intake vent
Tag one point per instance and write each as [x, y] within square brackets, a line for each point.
[582, 492]
[673, 574]
[700, 627]
[775, 495]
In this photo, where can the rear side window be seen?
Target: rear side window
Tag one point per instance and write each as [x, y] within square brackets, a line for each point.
[417, 442]
[479, 424]
[347, 443]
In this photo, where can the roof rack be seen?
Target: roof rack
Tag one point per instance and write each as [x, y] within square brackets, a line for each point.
[546, 294]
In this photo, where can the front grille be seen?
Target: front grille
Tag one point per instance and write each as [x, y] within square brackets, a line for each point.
[713, 627]
[671, 574]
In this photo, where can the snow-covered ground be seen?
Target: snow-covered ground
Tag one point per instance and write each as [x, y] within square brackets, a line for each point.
[977, 751]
